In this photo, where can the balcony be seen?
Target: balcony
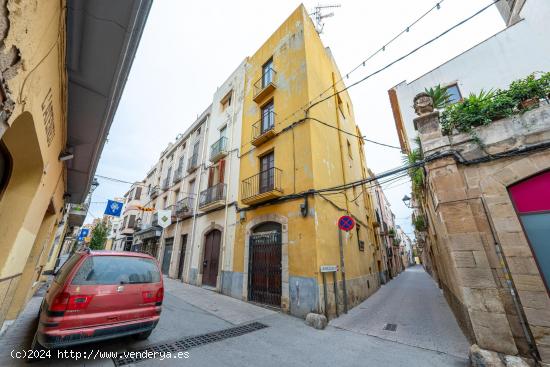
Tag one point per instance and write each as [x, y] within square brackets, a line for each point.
[264, 186]
[218, 150]
[193, 163]
[213, 197]
[184, 208]
[77, 214]
[264, 129]
[165, 183]
[178, 175]
[265, 85]
[154, 192]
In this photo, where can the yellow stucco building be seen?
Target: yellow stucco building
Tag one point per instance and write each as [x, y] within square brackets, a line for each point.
[286, 229]
[60, 83]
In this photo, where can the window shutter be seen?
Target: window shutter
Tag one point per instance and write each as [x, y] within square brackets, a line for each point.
[222, 169]
[210, 176]
[138, 193]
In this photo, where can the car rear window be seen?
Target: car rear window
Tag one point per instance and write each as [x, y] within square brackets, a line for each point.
[104, 270]
[66, 268]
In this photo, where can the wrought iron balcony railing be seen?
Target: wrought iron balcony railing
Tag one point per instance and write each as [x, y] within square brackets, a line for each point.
[154, 192]
[266, 184]
[184, 207]
[218, 149]
[265, 84]
[192, 164]
[264, 129]
[212, 194]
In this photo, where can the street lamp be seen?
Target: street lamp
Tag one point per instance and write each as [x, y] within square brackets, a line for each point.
[407, 201]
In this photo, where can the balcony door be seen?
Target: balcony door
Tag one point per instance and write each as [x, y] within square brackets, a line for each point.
[267, 172]
[267, 73]
[268, 117]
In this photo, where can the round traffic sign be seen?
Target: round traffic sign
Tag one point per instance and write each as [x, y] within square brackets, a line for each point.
[346, 223]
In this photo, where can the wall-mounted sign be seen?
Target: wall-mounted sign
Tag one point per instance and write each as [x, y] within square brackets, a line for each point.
[329, 268]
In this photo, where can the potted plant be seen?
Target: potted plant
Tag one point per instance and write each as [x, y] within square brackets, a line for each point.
[527, 92]
[440, 96]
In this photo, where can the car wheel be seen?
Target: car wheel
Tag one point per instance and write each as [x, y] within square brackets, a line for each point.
[142, 336]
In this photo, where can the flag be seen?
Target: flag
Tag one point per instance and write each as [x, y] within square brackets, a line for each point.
[164, 218]
[113, 208]
[83, 233]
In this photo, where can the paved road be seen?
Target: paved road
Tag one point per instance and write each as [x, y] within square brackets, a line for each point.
[417, 307]
[191, 311]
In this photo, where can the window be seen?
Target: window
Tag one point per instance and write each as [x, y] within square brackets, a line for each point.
[268, 117]
[223, 131]
[226, 101]
[66, 269]
[124, 222]
[267, 73]
[198, 131]
[132, 221]
[360, 243]
[340, 106]
[137, 194]
[350, 154]
[115, 270]
[454, 93]
[267, 172]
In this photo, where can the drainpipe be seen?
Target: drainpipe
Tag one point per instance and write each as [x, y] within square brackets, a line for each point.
[196, 204]
[228, 190]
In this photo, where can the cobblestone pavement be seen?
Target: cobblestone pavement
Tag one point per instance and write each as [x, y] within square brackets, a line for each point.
[414, 303]
[190, 311]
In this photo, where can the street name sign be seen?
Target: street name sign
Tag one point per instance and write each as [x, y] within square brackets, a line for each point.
[329, 268]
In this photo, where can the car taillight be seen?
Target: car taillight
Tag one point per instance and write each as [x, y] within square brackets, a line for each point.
[79, 302]
[148, 296]
[65, 302]
[60, 302]
[160, 294]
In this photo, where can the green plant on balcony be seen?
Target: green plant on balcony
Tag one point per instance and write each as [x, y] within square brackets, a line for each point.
[419, 223]
[440, 96]
[391, 232]
[396, 241]
[485, 107]
[527, 91]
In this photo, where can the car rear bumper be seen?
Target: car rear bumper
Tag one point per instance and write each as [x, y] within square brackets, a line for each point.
[64, 338]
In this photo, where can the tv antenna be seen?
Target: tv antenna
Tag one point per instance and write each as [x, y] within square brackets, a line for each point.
[319, 16]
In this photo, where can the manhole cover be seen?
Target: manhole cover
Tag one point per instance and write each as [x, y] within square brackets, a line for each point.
[390, 327]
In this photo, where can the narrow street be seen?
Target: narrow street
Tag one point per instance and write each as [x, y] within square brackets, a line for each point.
[426, 334]
[414, 304]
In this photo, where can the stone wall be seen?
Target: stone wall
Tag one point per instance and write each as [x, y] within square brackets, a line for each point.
[480, 252]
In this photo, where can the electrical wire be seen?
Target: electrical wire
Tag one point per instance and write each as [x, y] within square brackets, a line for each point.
[405, 55]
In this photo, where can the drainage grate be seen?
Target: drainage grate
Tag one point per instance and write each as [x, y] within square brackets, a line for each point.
[185, 344]
[390, 327]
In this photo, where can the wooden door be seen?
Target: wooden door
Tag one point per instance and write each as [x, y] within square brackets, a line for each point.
[168, 245]
[211, 258]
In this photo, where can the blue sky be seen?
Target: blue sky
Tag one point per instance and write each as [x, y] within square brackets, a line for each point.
[189, 48]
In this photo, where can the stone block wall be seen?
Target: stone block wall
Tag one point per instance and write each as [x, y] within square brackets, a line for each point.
[480, 252]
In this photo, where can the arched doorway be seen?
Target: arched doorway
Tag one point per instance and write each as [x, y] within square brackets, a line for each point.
[264, 268]
[211, 257]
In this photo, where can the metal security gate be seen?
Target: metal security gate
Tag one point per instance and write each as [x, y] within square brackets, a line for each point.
[264, 282]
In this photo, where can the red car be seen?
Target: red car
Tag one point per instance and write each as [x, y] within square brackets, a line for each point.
[99, 295]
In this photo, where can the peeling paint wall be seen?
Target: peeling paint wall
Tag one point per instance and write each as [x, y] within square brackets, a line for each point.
[33, 129]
